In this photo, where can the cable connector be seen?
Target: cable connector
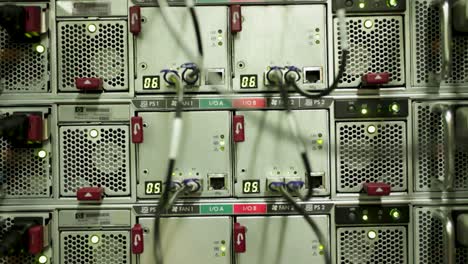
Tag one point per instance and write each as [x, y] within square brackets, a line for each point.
[292, 74]
[274, 76]
[168, 75]
[294, 186]
[191, 73]
[275, 186]
[175, 186]
[194, 185]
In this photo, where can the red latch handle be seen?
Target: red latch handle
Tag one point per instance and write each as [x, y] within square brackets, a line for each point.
[376, 78]
[90, 194]
[235, 16]
[377, 188]
[137, 239]
[135, 20]
[137, 129]
[35, 128]
[35, 239]
[89, 84]
[239, 238]
[32, 21]
[238, 128]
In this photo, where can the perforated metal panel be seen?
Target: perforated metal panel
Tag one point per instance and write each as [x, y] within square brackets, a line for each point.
[429, 239]
[22, 173]
[356, 247]
[371, 157]
[6, 222]
[22, 68]
[427, 46]
[375, 45]
[429, 151]
[77, 248]
[101, 54]
[101, 161]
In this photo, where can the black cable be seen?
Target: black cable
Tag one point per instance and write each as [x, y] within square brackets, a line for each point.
[331, 88]
[309, 220]
[163, 201]
[196, 24]
[305, 159]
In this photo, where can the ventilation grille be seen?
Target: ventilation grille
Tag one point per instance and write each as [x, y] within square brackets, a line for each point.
[426, 43]
[6, 224]
[7, 221]
[429, 239]
[389, 245]
[371, 157]
[429, 151]
[99, 161]
[22, 69]
[102, 54]
[22, 172]
[379, 48]
[112, 247]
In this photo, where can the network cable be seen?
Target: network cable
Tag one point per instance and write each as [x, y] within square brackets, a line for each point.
[191, 6]
[176, 137]
[275, 75]
[197, 59]
[341, 14]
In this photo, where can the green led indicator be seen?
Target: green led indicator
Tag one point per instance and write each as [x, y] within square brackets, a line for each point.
[395, 214]
[364, 111]
[395, 107]
[392, 3]
[371, 234]
[365, 217]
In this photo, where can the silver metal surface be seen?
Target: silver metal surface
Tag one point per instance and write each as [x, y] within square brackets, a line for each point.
[446, 31]
[449, 235]
[448, 116]
[279, 239]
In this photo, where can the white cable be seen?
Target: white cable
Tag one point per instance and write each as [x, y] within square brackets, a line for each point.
[341, 14]
[190, 3]
[163, 6]
[176, 138]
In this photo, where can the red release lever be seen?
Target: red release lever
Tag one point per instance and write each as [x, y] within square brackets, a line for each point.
[87, 84]
[135, 20]
[137, 129]
[239, 238]
[90, 194]
[377, 188]
[35, 239]
[238, 128]
[137, 239]
[35, 128]
[235, 18]
[376, 78]
[32, 21]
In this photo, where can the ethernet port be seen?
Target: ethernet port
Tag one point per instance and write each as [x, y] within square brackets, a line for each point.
[317, 180]
[214, 77]
[217, 181]
[312, 75]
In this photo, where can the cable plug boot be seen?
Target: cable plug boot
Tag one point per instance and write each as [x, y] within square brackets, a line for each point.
[193, 185]
[275, 75]
[275, 186]
[292, 74]
[191, 73]
[168, 74]
[294, 186]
